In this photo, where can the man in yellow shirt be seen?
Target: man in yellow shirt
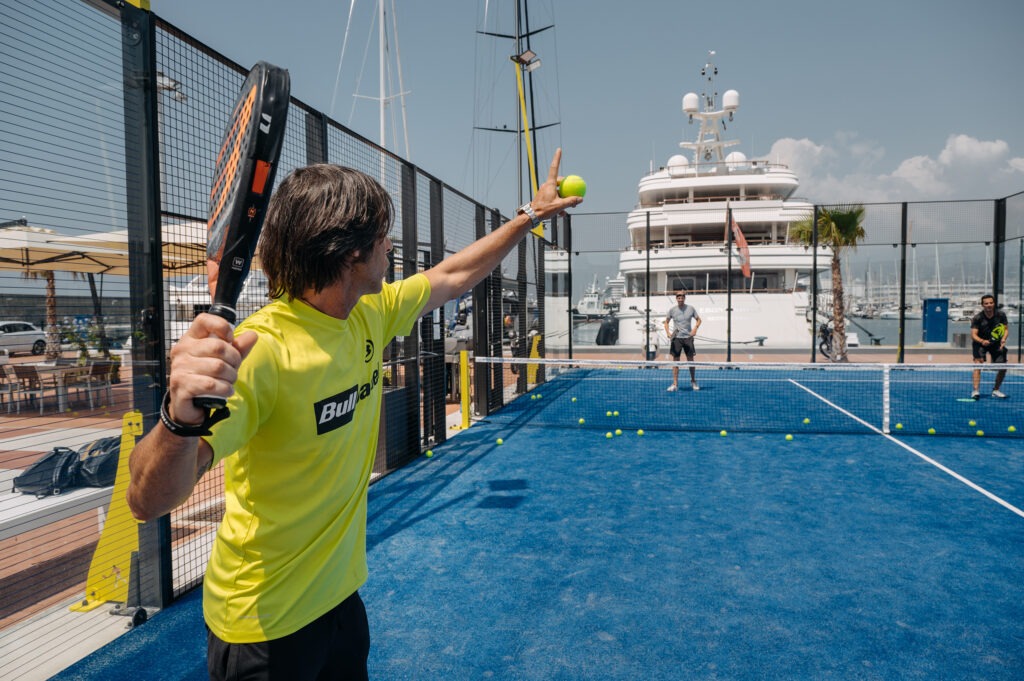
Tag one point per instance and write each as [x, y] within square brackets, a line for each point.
[303, 381]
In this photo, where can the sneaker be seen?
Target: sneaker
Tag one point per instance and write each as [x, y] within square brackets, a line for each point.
[694, 385]
[975, 395]
[997, 393]
[672, 388]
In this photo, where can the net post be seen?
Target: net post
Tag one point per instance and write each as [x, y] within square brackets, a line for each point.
[886, 388]
[464, 386]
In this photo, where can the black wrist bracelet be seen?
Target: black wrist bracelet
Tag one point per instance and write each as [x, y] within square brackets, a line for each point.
[182, 430]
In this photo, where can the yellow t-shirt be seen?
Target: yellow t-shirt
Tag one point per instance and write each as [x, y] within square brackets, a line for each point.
[298, 450]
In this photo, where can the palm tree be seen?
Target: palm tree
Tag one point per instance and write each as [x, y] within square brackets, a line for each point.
[840, 228]
[52, 333]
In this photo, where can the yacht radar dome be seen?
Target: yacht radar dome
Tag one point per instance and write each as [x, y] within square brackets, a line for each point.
[691, 104]
[677, 165]
[731, 101]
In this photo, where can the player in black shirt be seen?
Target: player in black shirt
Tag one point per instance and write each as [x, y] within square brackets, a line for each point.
[989, 331]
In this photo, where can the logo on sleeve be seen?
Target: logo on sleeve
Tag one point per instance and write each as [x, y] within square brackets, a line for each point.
[336, 411]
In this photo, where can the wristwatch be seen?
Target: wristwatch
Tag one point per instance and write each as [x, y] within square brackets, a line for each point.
[527, 209]
[182, 430]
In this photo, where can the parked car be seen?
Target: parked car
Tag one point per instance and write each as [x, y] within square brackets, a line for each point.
[22, 337]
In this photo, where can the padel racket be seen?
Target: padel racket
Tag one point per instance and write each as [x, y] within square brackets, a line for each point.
[242, 182]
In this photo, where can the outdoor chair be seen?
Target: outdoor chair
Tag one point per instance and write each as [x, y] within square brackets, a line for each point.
[97, 378]
[8, 384]
[29, 384]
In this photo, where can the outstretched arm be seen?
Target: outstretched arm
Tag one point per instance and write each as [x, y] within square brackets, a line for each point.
[460, 272]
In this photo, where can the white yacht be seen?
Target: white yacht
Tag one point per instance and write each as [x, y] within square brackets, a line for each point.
[682, 215]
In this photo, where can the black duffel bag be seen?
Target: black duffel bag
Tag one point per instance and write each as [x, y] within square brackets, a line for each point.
[97, 465]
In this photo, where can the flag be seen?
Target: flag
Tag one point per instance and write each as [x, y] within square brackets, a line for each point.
[741, 244]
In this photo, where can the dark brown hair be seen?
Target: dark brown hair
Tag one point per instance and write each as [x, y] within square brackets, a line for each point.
[322, 219]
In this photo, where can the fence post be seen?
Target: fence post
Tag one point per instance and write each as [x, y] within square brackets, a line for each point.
[149, 355]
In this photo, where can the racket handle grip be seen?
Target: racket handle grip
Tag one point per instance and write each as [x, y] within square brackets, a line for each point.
[207, 402]
[225, 312]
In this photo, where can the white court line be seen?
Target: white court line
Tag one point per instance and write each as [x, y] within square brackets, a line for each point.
[947, 471]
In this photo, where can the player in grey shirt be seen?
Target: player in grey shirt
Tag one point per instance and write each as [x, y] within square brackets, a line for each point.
[681, 317]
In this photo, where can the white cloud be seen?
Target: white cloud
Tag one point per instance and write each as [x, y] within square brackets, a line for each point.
[847, 169]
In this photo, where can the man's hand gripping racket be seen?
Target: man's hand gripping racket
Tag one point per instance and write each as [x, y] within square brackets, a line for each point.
[242, 183]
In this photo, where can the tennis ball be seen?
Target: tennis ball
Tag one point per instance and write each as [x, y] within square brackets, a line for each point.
[533, 397]
[806, 421]
[723, 433]
[931, 431]
[640, 432]
[582, 422]
[572, 185]
[618, 431]
[608, 435]
[789, 438]
[430, 453]
[899, 426]
[1012, 429]
[971, 423]
[615, 413]
[980, 433]
[500, 441]
[607, 413]
[574, 399]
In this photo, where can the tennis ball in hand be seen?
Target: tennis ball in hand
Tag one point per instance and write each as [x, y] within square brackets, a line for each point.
[572, 185]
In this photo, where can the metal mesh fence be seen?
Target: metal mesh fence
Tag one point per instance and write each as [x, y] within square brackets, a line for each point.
[109, 124]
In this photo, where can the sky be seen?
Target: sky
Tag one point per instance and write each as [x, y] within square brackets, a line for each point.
[869, 101]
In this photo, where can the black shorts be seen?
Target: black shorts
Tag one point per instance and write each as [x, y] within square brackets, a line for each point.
[680, 345]
[998, 354]
[334, 646]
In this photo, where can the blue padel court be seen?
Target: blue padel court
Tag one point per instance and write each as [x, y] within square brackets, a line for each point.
[682, 553]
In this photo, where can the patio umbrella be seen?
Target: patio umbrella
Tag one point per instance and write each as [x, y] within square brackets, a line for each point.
[184, 246]
[34, 249]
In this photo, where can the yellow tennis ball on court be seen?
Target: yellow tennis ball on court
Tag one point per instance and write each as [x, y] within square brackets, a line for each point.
[723, 433]
[980, 433]
[582, 422]
[618, 431]
[899, 426]
[430, 453]
[533, 397]
[789, 438]
[608, 435]
[931, 431]
[615, 413]
[572, 185]
[607, 413]
[640, 432]
[971, 423]
[500, 441]
[806, 421]
[1012, 429]
[574, 399]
